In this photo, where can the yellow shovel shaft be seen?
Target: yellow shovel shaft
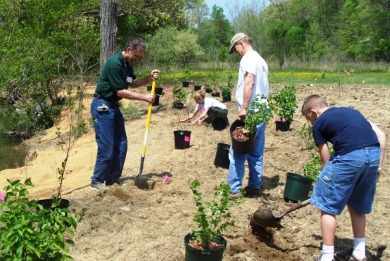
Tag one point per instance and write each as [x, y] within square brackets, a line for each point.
[148, 120]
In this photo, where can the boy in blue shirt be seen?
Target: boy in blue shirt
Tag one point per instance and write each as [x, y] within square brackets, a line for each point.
[350, 176]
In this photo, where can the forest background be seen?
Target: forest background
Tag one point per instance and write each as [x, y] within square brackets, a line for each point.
[49, 47]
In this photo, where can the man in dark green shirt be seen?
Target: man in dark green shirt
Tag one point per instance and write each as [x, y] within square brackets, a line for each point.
[115, 78]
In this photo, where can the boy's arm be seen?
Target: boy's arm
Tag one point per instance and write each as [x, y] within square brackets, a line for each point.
[382, 141]
[323, 150]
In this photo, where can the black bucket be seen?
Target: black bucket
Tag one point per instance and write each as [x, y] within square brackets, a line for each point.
[219, 123]
[156, 100]
[182, 139]
[241, 147]
[157, 90]
[282, 125]
[297, 187]
[222, 156]
[192, 254]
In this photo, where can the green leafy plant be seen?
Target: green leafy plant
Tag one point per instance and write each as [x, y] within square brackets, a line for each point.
[306, 135]
[214, 217]
[179, 94]
[30, 232]
[259, 112]
[187, 74]
[313, 168]
[227, 89]
[284, 102]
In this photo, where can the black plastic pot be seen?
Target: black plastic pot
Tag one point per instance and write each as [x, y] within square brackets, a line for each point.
[186, 84]
[157, 90]
[156, 101]
[48, 203]
[182, 139]
[197, 87]
[297, 187]
[219, 123]
[222, 156]
[193, 254]
[215, 94]
[227, 97]
[282, 126]
[178, 105]
[241, 147]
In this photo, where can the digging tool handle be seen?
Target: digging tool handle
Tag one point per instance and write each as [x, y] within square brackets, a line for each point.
[295, 207]
[146, 132]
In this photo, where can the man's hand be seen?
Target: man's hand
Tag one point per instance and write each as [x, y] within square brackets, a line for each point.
[242, 114]
[149, 98]
[154, 74]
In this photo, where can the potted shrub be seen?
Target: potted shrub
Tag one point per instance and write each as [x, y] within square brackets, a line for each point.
[226, 90]
[30, 232]
[297, 186]
[179, 97]
[243, 133]
[284, 103]
[187, 74]
[212, 219]
[208, 88]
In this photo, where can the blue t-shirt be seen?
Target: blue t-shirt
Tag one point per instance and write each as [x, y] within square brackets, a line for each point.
[347, 129]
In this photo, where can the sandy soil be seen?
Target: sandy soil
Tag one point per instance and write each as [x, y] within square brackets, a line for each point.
[128, 223]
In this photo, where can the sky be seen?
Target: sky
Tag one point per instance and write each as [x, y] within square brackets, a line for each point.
[224, 4]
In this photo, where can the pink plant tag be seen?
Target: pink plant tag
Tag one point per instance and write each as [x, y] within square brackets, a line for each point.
[187, 138]
[283, 119]
[165, 179]
[1, 196]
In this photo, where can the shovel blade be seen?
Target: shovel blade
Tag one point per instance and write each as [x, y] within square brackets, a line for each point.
[265, 218]
[141, 182]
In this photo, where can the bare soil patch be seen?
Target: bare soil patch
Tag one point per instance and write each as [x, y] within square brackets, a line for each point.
[128, 223]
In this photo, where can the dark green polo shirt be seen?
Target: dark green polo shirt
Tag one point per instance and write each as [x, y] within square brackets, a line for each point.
[115, 75]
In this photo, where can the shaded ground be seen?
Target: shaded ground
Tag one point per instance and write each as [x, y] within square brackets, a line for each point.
[127, 223]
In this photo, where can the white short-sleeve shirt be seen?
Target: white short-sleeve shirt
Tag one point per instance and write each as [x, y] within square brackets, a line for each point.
[253, 63]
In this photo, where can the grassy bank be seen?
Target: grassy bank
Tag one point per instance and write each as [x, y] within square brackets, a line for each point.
[279, 76]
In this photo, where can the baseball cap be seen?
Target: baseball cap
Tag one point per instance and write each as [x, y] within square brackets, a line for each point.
[236, 38]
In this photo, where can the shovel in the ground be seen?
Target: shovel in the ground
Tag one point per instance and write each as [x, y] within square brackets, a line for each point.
[139, 182]
[265, 218]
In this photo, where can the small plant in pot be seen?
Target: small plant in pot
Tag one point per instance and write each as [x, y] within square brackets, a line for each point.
[226, 90]
[187, 74]
[179, 97]
[212, 219]
[243, 133]
[284, 103]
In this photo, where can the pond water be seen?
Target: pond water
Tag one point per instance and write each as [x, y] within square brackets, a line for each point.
[10, 156]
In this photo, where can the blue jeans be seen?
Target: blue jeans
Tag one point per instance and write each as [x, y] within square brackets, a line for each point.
[111, 140]
[348, 179]
[255, 161]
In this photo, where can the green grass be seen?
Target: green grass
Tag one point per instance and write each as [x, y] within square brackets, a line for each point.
[130, 111]
[279, 76]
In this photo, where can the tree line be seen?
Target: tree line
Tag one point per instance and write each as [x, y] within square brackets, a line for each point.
[49, 45]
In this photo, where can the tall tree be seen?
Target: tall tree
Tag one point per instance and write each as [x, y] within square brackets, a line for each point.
[108, 29]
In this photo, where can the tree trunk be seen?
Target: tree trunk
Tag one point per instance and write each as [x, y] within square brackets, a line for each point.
[108, 29]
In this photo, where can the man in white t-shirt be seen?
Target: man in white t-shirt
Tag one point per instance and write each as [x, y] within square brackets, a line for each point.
[252, 84]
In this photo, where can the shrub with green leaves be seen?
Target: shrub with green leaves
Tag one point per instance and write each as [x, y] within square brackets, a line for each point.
[313, 168]
[259, 112]
[214, 217]
[30, 232]
[284, 102]
[306, 134]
